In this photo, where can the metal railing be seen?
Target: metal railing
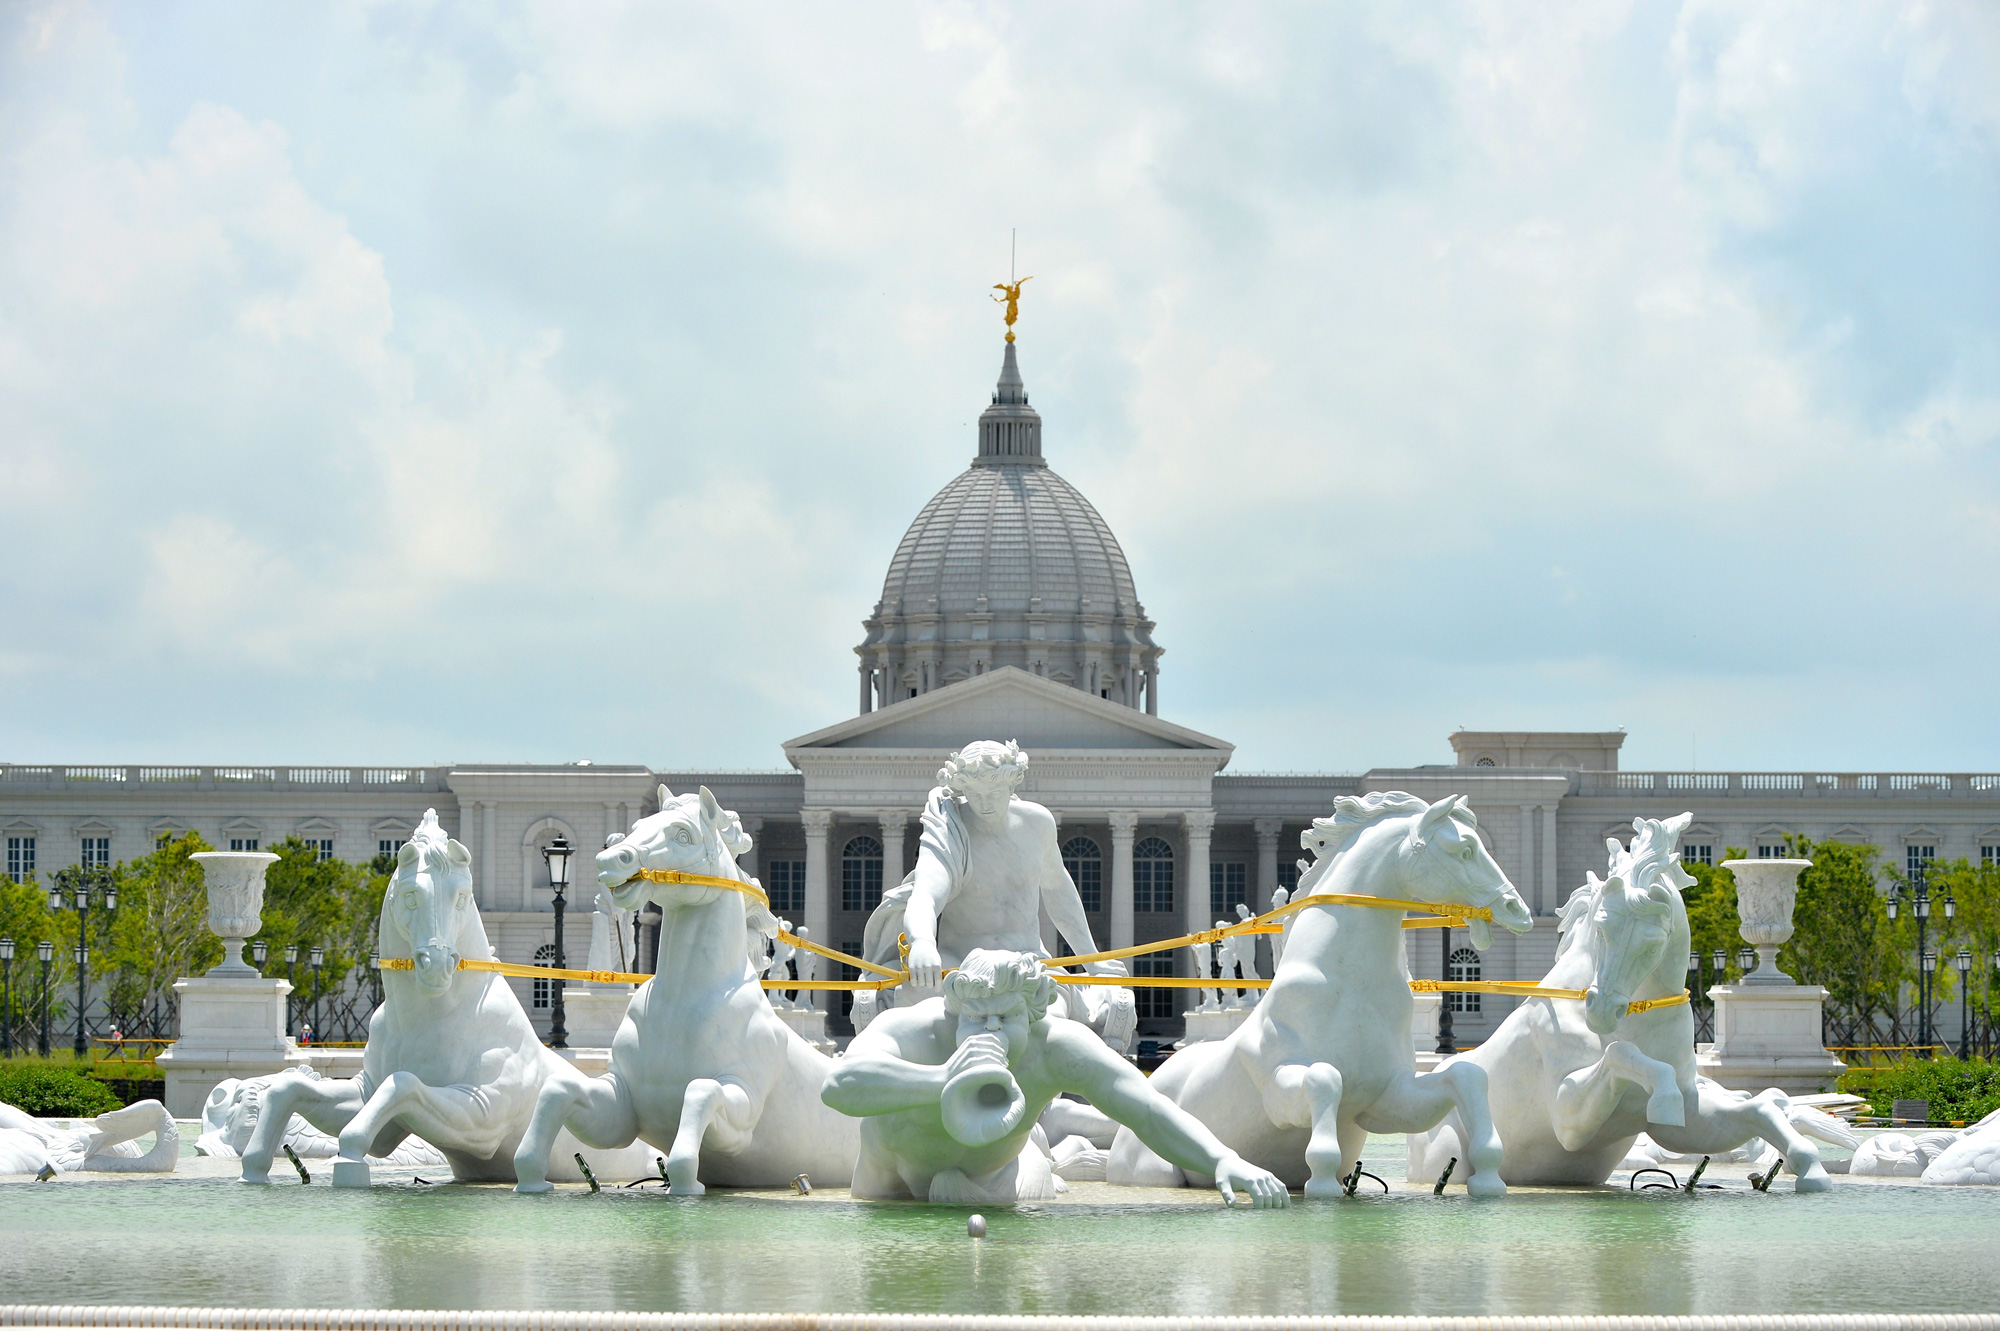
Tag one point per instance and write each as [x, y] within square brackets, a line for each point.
[20, 776]
[1811, 785]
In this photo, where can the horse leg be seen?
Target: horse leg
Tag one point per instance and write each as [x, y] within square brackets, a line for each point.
[402, 1095]
[596, 1111]
[1725, 1119]
[1308, 1095]
[327, 1105]
[1587, 1097]
[1418, 1102]
[706, 1103]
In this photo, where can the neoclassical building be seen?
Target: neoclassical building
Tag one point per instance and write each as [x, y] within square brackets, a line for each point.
[1009, 611]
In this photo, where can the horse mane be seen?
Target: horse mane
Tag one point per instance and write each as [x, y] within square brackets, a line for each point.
[1329, 837]
[1653, 856]
[734, 841]
[433, 846]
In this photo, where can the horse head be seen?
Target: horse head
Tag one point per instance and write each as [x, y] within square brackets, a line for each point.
[1632, 923]
[1430, 852]
[429, 906]
[690, 834]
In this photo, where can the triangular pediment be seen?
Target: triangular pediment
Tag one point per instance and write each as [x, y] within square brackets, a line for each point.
[1008, 703]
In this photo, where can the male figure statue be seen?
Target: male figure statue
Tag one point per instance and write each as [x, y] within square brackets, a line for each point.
[949, 1090]
[987, 866]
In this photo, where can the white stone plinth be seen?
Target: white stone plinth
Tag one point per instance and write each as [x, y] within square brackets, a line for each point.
[591, 1013]
[1769, 1035]
[230, 1027]
[810, 1024]
[1424, 1030]
[1203, 1026]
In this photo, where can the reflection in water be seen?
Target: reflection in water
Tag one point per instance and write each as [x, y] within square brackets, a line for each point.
[218, 1242]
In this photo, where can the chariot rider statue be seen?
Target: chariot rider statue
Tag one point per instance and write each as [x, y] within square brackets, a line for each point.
[987, 867]
[949, 1090]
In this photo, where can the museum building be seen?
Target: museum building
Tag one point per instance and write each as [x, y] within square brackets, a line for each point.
[1009, 611]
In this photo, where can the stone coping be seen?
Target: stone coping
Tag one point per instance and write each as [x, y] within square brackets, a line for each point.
[358, 1319]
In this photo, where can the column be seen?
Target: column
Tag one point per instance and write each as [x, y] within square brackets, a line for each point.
[1527, 880]
[747, 861]
[1123, 828]
[867, 688]
[819, 907]
[1153, 692]
[610, 821]
[893, 824]
[1549, 885]
[487, 887]
[1200, 823]
[1268, 831]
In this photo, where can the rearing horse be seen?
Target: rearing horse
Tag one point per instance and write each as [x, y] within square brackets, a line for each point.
[1325, 1058]
[701, 1067]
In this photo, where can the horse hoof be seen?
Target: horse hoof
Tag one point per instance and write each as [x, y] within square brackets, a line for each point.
[686, 1190]
[1323, 1188]
[1669, 1108]
[1814, 1180]
[1486, 1185]
[534, 1185]
[256, 1175]
[350, 1173]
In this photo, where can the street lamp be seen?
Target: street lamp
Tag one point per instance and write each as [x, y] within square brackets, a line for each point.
[45, 951]
[81, 899]
[1447, 1044]
[1920, 910]
[1746, 958]
[557, 854]
[7, 1003]
[375, 966]
[318, 957]
[259, 950]
[1963, 963]
[291, 995]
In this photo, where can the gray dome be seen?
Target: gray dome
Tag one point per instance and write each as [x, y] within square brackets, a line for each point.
[1009, 565]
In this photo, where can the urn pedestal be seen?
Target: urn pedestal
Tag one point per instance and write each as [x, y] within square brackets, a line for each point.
[591, 1012]
[1767, 1026]
[232, 1018]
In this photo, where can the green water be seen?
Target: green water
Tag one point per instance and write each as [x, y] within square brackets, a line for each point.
[1863, 1247]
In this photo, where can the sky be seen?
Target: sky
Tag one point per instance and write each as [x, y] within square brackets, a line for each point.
[421, 383]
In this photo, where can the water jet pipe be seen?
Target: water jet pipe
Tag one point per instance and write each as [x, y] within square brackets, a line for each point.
[293, 1156]
[1444, 1178]
[1696, 1176]
[1762, 1182]
[588, 1177]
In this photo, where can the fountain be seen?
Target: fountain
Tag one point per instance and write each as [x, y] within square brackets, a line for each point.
[1768, 1025]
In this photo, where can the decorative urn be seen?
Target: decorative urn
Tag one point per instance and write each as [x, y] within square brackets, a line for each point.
[1766, 892]
[235, 880]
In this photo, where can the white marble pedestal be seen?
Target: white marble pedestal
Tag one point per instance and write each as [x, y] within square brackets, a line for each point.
[1424, 1030]
[810, 1024]
[1769, 1035]
[1204, 1026]
[591, 1012]
[231, 1026]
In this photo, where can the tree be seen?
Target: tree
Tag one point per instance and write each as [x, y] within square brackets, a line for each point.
[1842, 937]
[159, 934]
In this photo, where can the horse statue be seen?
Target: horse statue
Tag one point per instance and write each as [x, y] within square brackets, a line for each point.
[451, 1057]
[702, 1067]
[1325, 1058]
[1574, 1082]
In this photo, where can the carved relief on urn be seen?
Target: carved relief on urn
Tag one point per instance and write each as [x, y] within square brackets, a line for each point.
[235, 881]
[1766, 893]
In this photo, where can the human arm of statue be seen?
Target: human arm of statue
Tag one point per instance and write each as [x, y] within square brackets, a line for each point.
[873, 1077]
[1123, 1093]
[929, 894]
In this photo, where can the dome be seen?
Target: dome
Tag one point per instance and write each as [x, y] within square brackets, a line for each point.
[1009, 565]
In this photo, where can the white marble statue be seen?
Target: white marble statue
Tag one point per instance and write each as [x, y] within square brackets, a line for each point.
[1326, 1057]
[1239, 960]
[1278, 898]
[1573, 1082]
[1971, 1157]
[451, 1056]
[988, 866]
[1645, 1153]
[806, 964]
[230, 1117]
[1207, 999]
[702, 1068]
[950, 1089]
[782, 953]
[109, 1145]
[610, 928]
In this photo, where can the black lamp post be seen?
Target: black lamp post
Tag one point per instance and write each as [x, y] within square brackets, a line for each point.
[375, 966]
[7, 983]
[291, 995]
[1920, 910]
[318, 956]
[1698, 988]
[259, 950]
[81, 899]
[557, 854]
[1963, 963]
[45, 951]
[1447, 1044]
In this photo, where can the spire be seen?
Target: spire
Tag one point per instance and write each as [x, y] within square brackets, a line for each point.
[1010, 431]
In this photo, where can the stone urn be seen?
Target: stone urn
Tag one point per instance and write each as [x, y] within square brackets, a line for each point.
[1766, 891]
[235, 880]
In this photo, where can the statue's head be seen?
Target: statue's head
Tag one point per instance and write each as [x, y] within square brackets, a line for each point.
[985, 775]
[1002, 992]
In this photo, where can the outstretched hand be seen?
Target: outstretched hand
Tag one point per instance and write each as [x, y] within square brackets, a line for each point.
[1263, 1187]
[926, 967]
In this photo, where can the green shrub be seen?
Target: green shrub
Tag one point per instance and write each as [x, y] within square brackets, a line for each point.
[46, 1091]
[1958, 1090]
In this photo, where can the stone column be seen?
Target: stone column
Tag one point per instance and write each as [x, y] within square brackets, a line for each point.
[1268, 831]
[1200, 823]
[1123, 828]
[1549, 885]
[893, 825]
[488, 890]
[610, 821]
[1528, 882]
[819, 906]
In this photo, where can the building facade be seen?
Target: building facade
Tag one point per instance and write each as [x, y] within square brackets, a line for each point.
[1009, 612]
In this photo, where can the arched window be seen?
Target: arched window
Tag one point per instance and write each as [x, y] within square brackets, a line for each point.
[1085, 863]
[861, 874]
[1484, 762]
[1464, 965]
[1153, 877]
[545, 955]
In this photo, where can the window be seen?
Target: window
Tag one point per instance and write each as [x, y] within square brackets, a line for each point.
[545, 955]
[1153, 877]
[787, 886]
[243, 843]
[861, 874]
[1702, 854]
[1917, 861]
[20, 858]
[1288, 876]
[1464, 965]
[1085, 863]
[1153, 1001]
[96, 852]
[1226, 887]
[322, 848]
[1484, 762]
[1770, 850]
[389, 845]
[1989, 855]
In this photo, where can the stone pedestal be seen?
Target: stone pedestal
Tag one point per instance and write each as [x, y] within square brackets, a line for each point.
[591, 1013]
[1203, 1026]
[810, 1024]
[1769, 1035]
[1424, 1030]
[231, 1026]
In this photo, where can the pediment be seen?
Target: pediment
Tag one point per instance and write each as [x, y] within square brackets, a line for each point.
[1008, 703]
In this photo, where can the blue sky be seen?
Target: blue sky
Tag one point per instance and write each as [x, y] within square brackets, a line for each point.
[417, 383]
